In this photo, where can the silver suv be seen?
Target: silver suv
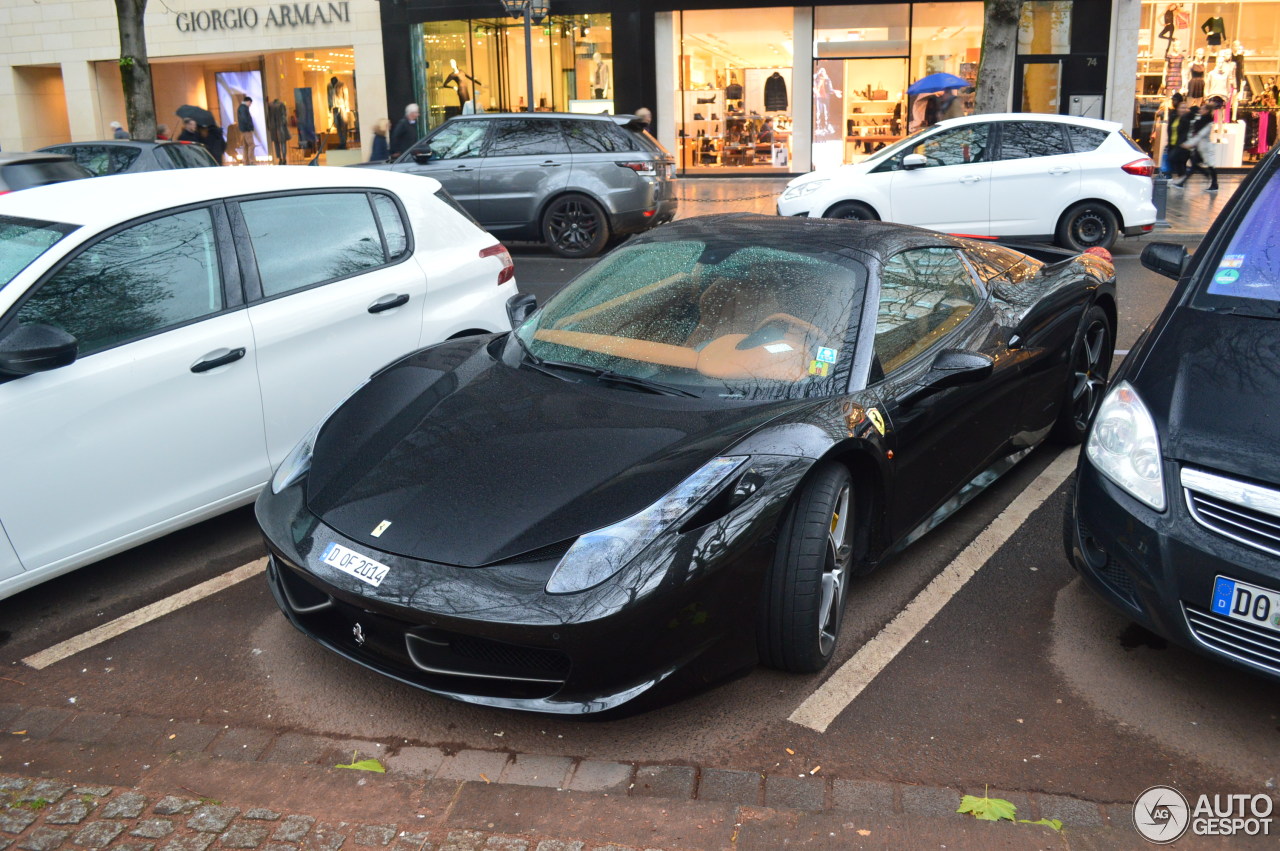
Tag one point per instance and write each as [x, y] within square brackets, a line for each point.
[571, 181]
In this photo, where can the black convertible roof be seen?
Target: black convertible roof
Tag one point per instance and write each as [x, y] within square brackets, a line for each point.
[794, 232]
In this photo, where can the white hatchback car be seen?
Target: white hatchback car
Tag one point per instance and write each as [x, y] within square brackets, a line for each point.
[166, 338]
[1078, 181]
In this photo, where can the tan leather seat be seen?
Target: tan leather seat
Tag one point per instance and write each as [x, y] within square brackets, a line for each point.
[731, 306]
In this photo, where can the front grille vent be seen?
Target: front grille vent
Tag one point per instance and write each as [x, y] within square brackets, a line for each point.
[1257, 647]
[1242, 511]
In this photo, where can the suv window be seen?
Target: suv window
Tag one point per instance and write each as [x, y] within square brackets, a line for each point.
[100, 159]
[1023, 139]
[182, 155]
[598, 137]
[960, 145]
[455, 140]
[342, 239]
[924, 293]
[514, 137]
[1085, 139]
[153, 276]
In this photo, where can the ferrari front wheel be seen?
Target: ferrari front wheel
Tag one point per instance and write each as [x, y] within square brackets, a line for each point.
[804, 593]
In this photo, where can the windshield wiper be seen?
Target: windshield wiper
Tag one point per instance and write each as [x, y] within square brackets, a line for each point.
[618, 378]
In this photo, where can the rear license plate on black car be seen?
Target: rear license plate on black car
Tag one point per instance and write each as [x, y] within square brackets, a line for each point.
[1249, 603]
[361, 567]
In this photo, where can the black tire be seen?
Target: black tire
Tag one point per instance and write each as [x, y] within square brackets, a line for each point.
[1088, 225]
[805, 589]
[854, 210]
[1087, 382]
[575, 226]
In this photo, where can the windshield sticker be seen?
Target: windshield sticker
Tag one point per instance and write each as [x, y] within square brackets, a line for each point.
[877, 419]
[818, 367]
[826, 355]
[1226, 276]
[777, 348]
[1232, 261]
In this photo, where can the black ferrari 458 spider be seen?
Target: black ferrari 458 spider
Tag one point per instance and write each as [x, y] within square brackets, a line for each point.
[670, 472]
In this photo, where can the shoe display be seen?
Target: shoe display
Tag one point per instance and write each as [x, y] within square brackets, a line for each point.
[697, 116]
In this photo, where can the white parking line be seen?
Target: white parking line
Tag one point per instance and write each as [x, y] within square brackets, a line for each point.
[823, 706]
[146, 614]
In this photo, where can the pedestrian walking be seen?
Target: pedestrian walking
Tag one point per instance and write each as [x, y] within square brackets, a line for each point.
[162, 132]
[1198, 144]
[118, 132]
[405, 134]
[380, 149]
[1179, 132]
[244, 123]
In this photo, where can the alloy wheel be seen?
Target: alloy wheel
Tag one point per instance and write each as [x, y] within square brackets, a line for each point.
[574, 226]
[835, 573]
[1090, 374]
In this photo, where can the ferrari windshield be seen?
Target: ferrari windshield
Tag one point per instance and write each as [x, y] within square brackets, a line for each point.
[746, 321]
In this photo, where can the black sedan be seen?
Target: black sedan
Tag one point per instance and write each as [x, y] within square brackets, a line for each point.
[1176, 515]
[669, 473]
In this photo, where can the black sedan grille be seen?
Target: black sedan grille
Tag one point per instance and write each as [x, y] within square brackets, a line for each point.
[1242, 511]
[1258, 647]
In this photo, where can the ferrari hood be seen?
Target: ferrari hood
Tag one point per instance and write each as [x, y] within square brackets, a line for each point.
[1214, 378]
[452, 456]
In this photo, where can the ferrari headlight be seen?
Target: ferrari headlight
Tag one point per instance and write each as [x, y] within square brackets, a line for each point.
[1125, 448]
[803, 189]
[597, 555]
[296, 464]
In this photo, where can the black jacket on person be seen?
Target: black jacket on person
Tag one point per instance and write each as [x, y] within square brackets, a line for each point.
[214, 142]
[244, 118]
[403, 137]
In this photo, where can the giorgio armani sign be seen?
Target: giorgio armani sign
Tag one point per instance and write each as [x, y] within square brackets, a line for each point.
[280, 16]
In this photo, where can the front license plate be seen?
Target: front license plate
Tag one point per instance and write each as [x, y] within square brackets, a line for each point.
[361, 567]
[1248, 603]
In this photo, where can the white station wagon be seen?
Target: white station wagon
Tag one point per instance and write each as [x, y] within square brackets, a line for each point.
[166, 338]
[1077, 181]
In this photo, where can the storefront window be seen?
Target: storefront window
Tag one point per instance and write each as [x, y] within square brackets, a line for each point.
[735, 73]
[1045, 27]
[1197, 50]
[479, 66]
[947, 38]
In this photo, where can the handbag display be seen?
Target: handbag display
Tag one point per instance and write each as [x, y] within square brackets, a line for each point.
[879, 94]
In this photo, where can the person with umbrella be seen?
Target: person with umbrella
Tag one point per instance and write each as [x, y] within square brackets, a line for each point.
[936, 99]
[199, 126]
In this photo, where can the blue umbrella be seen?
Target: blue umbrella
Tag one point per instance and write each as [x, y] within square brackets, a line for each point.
[936, 83]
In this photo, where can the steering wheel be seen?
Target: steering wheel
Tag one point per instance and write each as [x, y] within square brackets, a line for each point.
[778, 326]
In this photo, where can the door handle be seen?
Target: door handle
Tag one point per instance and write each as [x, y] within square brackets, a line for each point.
[1056, 170]
[389, 302]
[970, 178]
[213, 360]
[462, 168]
[551, 164]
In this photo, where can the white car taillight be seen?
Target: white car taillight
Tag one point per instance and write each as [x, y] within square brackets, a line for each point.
[1142, 168]
[508, 267]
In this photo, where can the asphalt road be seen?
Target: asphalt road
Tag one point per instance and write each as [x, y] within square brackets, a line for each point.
[1023, 680]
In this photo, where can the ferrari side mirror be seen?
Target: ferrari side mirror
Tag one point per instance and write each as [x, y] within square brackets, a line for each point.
[1166, 258]
[951, 368]
[520, 307]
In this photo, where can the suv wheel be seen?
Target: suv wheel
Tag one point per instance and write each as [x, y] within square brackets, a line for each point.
[575, 226]
[855, 210]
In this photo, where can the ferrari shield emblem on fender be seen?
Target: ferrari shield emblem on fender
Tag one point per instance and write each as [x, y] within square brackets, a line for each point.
[358, 632]
[877, 419]
[380, 528]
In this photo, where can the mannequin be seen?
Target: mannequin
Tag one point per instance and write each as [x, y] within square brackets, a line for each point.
[337, 92]
[1220, 80]
[1237, 58]
[1173, 67]
[601, 77]
[1214, 29]
[1195, 86]
[1167, 33]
